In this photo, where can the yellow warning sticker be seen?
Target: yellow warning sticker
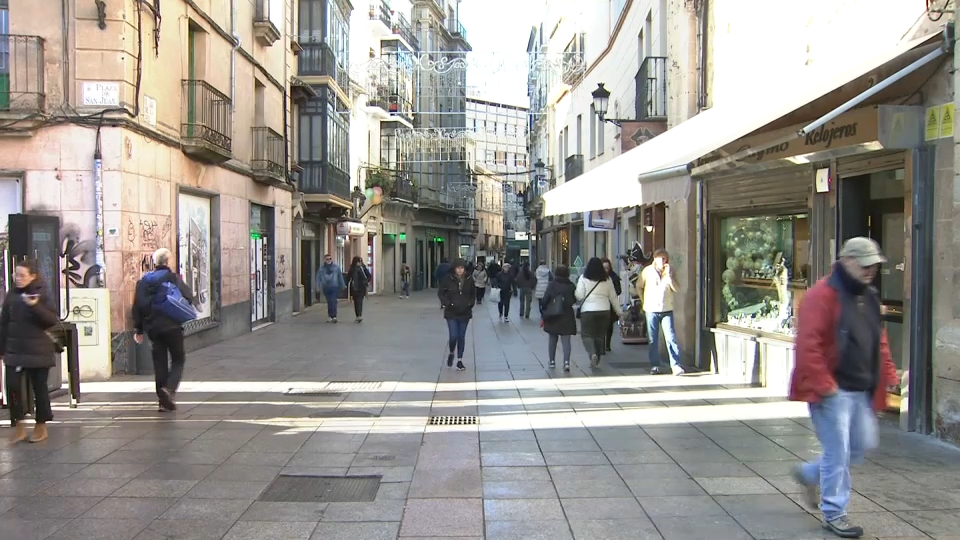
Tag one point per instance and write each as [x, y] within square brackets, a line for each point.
[946, 120]
[932, 127]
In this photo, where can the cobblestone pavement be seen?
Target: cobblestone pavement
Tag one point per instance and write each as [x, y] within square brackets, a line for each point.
[608, 454]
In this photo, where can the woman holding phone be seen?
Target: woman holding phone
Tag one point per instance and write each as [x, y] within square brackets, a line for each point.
[26, 349]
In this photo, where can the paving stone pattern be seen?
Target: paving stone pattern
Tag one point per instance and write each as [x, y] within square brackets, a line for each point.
[605, 454]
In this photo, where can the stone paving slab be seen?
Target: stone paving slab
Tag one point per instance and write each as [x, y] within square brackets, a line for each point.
[591, 454]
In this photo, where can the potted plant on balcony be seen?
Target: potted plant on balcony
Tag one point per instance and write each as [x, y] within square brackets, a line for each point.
[380, 178]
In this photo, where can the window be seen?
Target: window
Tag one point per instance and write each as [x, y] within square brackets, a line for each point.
[566, 143]
[501, 158]
[600, 127]
[560, 154]
[259, 104]
[579, 134]
[593, 132]
[763, 271]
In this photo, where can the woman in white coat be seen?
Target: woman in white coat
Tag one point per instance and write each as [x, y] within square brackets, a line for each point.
[597, 296]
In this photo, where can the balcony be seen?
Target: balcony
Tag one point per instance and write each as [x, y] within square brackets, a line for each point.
[456, 29]
[573, 166]
[320, 178]
[21, 74]
[267, 162]
[318, 60]
[264, 30]
[470, 226]
[380, 11]
[388, 99]
[207, 124]
[402, 28]
[404, 190]
[652, 89]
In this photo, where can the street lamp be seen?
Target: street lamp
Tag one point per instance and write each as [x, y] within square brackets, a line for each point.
[601, 102]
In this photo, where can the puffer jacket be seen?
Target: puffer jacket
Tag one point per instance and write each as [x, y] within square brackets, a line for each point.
[457, 296]
[145, 318]
[543, 277]
[23, 329]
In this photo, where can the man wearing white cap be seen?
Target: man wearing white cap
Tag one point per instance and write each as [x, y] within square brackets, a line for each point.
[843, 370]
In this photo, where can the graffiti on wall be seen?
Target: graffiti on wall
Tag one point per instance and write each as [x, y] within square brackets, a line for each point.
[281, 271]
[79, 258]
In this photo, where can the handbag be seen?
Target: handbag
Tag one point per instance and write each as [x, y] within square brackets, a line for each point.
[577, 309]
[494, 292]
[554, 308]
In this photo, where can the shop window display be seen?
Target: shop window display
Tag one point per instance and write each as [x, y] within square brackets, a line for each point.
[764, 272]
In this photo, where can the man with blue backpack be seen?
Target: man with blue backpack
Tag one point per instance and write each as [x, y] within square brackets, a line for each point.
[162, 303]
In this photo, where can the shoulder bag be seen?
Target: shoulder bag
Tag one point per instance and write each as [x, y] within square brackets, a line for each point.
[577, 309]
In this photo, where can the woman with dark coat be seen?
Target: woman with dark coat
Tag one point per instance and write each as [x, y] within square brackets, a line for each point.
[560, 291]
[26, 349]
[507, 284]
[358, 279]
[457, 296]
[615, 278]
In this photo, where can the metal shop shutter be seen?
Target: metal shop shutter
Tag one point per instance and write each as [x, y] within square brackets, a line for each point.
[779, 187]
[870, 163]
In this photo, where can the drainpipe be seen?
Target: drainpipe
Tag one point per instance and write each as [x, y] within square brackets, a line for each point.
[233, 54]
[98, 210]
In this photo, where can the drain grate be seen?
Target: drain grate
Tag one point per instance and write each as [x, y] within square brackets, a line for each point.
[312, 392]
[344, 414]
[453, 421]
[349, 386]
[319, 489]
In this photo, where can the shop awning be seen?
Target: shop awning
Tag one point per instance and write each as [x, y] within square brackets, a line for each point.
[664, 162]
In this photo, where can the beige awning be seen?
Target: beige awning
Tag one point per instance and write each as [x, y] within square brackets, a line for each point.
[617, 184]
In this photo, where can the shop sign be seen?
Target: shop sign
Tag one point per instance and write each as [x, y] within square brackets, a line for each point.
[853, 128]
[350, 228]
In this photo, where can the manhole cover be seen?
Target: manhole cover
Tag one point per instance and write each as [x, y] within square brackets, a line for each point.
[347, 386]
[452, 421]
[344, 414]
[317, 489]
[312, 392]
[628, 365]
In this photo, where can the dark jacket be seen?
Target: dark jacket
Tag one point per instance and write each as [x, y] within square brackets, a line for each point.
[457, 296]
[615, 278]
[818, 353]
[23, 338]
[145, 319]
[506, 282]
[442, 271]
[524, 282]
[359, 280]
[492, 270]
[566, 324]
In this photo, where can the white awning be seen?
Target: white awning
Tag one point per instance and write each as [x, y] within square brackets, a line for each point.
[616, 184]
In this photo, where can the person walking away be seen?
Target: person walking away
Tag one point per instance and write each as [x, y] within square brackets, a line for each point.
[507, 286]
[615, 279]
[330, 282]
[657, 285]
[165, 333]
[542, 277]
[458, 295]
[441, 272]
[559, 319]
[480, 283]
[492, 270]
[26, 349]
[843, 370]
[525, 284]
[358, 281]
[404, 281]
[597, 297]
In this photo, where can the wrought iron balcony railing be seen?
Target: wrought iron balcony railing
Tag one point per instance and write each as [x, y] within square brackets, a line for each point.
[207, 121]
[21, 73]
[267, 162]
[318, 59]
[404, 190]
[573, 166]
[401, 27]
[456, 28]
[380, 10]
[652, 89]
[321, 178]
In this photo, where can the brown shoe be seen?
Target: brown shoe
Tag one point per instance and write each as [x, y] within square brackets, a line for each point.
[39, 433]
[19, 435]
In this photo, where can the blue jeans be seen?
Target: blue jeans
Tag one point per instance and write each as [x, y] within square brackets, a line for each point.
[846, 427]
[457, 329]
[405, 288]
[332, 296]
[664, 320]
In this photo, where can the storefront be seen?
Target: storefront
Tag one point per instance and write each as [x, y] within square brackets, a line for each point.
[773, 226]
[262, 265]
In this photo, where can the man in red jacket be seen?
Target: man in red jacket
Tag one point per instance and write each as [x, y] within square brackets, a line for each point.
[843, 371]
